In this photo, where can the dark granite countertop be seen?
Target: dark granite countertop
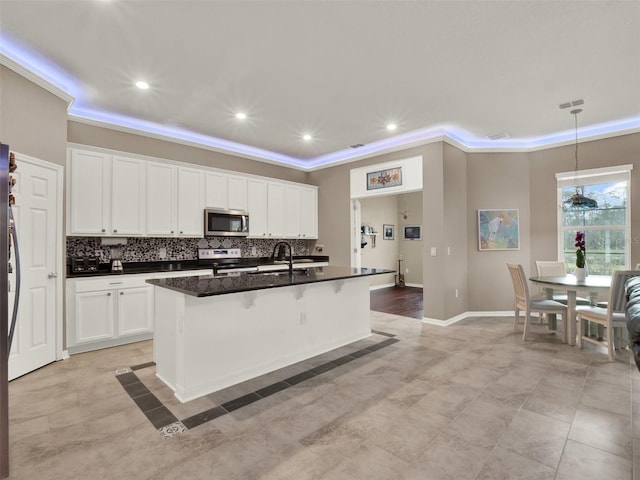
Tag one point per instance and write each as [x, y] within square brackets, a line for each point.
[183, 265]
[208, 285]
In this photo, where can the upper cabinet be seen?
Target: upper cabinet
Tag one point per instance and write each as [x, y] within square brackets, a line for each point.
[162, 195]
[128, 184]
[282, 210]
[106, 194]
[190, 202]
[87, 200]
[225, 191]
[116, 195]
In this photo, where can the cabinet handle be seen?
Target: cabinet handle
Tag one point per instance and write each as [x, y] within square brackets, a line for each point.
[115, 231]
[171, 231]
[103, 230]
[108, 294]
[52, 275]
[181, 231]
[116, 283]
[121, 293]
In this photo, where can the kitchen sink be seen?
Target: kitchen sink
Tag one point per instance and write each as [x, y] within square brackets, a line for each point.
[280, 272]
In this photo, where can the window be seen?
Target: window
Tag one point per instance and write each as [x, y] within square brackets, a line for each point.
[607, 228]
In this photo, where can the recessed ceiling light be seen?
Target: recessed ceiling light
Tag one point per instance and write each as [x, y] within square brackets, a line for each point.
[306, 137]
[392, 127]
[241, 116]
[142, 85]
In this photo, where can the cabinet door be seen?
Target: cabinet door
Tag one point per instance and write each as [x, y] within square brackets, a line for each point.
[308, 198]
[216, 190]
[88, 189]
[190, 202]
[135, 310]
[128, 183]
[276, 210]
[291, 211]
[257, 207]
[237, 193]
[161, 199]
[94, 316]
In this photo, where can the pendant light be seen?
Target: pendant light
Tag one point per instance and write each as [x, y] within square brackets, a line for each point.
[578, 201]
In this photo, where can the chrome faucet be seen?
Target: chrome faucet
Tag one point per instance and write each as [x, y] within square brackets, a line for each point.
[275, 249]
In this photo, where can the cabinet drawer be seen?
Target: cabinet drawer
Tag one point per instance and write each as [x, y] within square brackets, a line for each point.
[109, 283]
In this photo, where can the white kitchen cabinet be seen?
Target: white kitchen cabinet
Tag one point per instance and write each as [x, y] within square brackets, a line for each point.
[291, 211]
[190, 202]
[216, 184]
[107, 311]
[276, 220]
[104, 311]
[135, 310]
[162, 188]
[237, 193]
[94, 317]
[88, 199]
[257, 208]
[308, 212]
[128, 182]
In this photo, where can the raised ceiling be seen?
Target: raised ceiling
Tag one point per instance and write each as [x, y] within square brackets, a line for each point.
[338, 70]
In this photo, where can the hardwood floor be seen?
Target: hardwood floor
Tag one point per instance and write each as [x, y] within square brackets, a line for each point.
[406, 301]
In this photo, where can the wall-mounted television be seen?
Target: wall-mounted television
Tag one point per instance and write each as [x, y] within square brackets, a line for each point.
[412, 232]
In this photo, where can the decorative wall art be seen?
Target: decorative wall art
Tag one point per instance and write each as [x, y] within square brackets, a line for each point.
[498, 229]
[387, 231]
[389, 177]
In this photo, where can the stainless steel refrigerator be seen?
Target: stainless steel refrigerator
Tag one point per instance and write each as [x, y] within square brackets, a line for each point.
[9, 263]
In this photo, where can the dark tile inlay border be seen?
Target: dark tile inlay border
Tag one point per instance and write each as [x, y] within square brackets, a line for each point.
[160, 416]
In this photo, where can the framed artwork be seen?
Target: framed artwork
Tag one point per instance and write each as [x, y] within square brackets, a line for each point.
[387, 232]
[389, 177]
[412, 232]
[498, 229]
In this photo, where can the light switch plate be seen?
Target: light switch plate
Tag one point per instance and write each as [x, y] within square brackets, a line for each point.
[433, 251]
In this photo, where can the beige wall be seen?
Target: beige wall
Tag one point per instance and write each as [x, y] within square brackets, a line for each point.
[495, 181]
[456, 185]
[410, 251]
[32, 120]
[127, 142]
[375, 212]
[456, 274]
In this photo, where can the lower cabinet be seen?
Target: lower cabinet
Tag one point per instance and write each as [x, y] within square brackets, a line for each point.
[106, 312]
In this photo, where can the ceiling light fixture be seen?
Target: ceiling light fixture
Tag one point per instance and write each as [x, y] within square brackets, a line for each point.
[241, 116]
[578, 200]
[142, 85]
[306, 137]
[391, 127]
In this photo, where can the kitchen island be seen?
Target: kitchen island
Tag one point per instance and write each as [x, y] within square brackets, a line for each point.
[215, 331]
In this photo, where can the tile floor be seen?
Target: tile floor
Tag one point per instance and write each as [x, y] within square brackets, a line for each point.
[470, 401]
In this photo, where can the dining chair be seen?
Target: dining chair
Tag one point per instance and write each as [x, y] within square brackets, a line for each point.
[523, 302]
[547, 268]
[610, 317]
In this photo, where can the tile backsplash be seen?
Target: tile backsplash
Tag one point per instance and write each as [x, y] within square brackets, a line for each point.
[148, 249]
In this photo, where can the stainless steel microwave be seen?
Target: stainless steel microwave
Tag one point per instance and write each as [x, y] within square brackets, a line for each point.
[225, 223]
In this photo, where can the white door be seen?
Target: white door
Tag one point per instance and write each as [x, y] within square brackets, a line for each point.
[356, 250]
[38, 226]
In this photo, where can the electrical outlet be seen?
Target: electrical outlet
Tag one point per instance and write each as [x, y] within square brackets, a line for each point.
[406, 270]
[162, 253]
[254, 252]
[457, 293]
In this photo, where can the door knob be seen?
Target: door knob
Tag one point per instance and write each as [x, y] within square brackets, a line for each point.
[52, 275]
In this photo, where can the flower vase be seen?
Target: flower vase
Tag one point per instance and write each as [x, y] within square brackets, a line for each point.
[581, 274]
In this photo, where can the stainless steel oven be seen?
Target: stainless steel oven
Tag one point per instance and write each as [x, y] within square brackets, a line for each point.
[225, 223]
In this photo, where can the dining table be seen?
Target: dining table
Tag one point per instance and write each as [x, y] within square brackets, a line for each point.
[594, 285]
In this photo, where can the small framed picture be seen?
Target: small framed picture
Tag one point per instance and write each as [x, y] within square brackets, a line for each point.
[387, 231]
[412, 232]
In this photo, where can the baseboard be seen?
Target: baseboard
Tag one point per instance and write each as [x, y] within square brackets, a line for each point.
[388, 285]
[384, 285]
[462, 316]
